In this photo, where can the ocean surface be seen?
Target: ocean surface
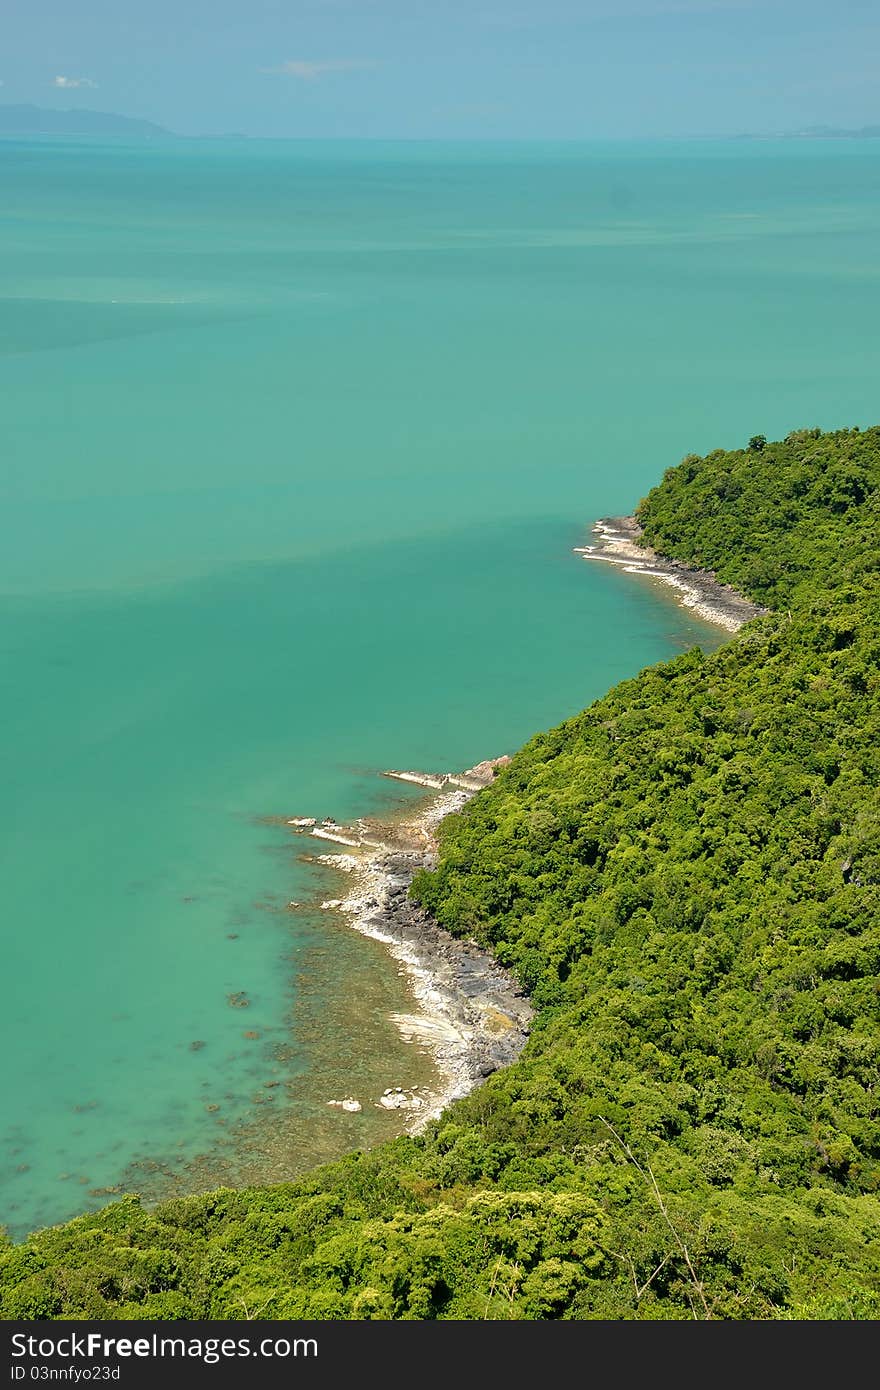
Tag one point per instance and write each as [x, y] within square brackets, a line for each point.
[295, 444]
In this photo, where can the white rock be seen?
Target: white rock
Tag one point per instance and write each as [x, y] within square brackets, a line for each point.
[399, 1100]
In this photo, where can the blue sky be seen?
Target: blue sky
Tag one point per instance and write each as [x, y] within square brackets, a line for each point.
[544, 69]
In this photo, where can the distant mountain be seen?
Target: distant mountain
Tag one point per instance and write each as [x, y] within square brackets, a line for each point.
[39, 120]
[831, 132]
[816, 132]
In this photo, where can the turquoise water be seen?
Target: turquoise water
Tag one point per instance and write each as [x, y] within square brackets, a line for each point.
[296, 442]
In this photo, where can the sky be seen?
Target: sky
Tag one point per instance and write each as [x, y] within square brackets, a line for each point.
[435, 69]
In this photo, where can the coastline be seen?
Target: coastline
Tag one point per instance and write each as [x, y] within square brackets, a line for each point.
[471, 1014]
[618, 543]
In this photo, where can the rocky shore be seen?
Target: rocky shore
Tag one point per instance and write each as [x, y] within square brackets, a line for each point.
[470, 1013]
[618, 543]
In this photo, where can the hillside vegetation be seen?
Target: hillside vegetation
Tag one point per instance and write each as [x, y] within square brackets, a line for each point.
[686, 877]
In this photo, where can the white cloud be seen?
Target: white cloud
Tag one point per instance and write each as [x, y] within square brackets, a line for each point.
[69, 82]
[308, 70]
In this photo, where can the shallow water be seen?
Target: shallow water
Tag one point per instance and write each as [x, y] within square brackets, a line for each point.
[296, 444]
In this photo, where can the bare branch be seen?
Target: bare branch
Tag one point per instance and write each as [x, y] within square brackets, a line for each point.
[664, 1212]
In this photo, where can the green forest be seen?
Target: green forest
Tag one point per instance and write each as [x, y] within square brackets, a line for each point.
[686, 879]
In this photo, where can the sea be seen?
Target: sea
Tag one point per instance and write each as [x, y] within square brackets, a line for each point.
[296, 443]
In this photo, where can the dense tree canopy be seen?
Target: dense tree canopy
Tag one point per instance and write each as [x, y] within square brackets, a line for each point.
[779, 522]
[686, 877]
